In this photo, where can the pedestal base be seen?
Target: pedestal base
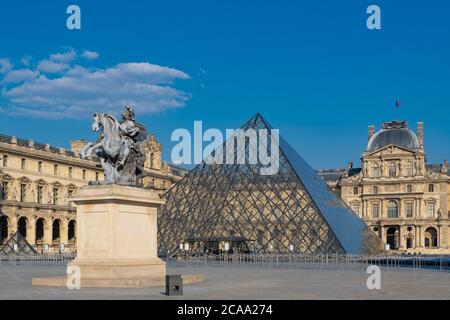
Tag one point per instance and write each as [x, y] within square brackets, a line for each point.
[115, 283]
[120, 269]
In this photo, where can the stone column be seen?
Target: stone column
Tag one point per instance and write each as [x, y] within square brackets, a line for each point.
[48, 230]
[401, 237]
[31, 230]
[64, 232]
[13, 225]
[420, 236]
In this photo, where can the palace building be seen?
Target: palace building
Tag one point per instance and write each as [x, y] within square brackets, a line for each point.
[405, 200]
[37, 179]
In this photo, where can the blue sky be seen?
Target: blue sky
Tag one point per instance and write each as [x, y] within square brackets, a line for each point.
[312, 68]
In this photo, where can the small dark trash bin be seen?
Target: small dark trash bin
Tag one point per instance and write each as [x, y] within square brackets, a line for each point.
[174, 285]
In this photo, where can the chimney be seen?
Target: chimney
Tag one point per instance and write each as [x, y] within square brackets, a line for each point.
[371, 131]
[420, 134]
[77, 145]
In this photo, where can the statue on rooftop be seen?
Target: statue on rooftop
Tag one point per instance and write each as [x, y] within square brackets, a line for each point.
[120, 147]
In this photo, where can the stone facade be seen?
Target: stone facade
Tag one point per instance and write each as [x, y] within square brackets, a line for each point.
[401, 197]
[37, 179]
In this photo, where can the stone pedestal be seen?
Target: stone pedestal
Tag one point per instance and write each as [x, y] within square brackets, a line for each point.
[117, 239]
[117, 233]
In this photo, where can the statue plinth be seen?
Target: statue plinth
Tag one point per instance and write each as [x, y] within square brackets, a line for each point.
[117, 233]
[117, 239]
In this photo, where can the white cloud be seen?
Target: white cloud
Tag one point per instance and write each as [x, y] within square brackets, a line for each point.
[91, 55]
[64, 56]
[5, 65]
[16, 76]
[77, 91]
[52, 67]
[26, 60]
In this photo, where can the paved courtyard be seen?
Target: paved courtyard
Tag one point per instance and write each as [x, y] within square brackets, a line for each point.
[239, 283]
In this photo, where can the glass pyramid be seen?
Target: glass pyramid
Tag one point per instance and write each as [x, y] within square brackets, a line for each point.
[233, 205]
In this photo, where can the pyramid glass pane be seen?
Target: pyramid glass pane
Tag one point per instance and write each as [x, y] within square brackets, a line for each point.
[292, 210]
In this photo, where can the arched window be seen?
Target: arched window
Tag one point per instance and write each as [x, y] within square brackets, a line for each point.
[376, 170]
[392, 170]
[22, 226]
[409, 188]
[431, 238]
[355, 190]
[392, 209]
[3, 229]
[431, 188]
[409, 169]
[392, 238]
[72, 231]
[56, 231]
[39, 230]
[375, 189]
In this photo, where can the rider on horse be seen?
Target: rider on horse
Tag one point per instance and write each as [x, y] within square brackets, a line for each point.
[129, 131]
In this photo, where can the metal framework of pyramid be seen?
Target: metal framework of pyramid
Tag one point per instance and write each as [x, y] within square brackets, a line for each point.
[291, 211]
[17, 244]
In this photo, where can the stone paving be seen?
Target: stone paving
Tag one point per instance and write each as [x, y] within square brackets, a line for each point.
[240, 283]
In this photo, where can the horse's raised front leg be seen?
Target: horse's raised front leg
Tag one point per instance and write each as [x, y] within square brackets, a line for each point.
[88, 150]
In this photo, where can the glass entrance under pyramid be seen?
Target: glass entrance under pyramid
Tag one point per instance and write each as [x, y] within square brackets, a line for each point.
[234, 207]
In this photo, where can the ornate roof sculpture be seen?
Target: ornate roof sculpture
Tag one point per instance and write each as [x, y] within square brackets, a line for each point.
[293, 210]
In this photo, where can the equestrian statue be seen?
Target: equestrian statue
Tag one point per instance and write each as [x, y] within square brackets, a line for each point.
[120, 148]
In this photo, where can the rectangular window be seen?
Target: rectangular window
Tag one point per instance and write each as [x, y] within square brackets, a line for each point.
[5, 160]
[22, 164]
[409, 170]
[55, 169]
[4, 193]
[430, 209]
[70, 172]
[84, 174]
[409, 210]
[40, 194]
[23, 192]
[355, 208]
[55, 196]
[375, 210]
[96, 176]
[40, 166]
